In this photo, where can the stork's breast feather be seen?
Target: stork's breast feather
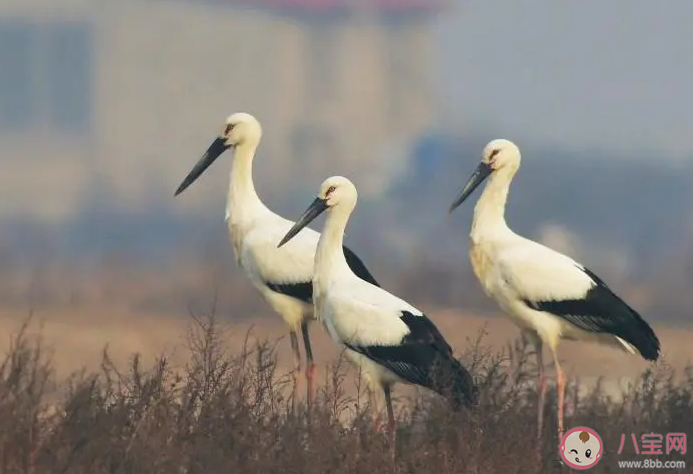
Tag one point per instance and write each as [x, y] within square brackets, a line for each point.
[481, 264]
[236, 235]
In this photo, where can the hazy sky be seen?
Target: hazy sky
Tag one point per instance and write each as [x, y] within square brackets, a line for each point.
[613, 74]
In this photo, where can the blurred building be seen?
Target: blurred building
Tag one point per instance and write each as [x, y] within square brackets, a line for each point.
[122, 96]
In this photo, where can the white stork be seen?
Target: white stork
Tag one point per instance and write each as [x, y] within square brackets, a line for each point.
[283, 276]
[550, 296]
[390, 340]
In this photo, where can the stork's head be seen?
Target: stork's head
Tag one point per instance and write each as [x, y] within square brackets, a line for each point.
[500, 153]
[499, 156]
[335, 192]
[239, 129]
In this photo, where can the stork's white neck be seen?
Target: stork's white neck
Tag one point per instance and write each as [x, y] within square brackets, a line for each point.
[243, 203]
[489, 212]
[330, 262]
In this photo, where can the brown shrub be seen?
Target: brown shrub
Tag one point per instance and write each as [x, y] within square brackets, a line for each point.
[230, 413]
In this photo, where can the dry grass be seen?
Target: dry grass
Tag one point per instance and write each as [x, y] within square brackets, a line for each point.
[77, 336]
[216, 407]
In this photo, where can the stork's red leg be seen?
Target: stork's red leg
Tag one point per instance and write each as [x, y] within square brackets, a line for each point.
[297, 367]
[310, 365]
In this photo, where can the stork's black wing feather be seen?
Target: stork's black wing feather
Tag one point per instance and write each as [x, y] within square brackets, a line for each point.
[423, 357]
[304, 290]
[601, 311]
[301, 291]
[358, 267]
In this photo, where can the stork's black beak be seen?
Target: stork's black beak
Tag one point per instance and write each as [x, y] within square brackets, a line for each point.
[480, 174]
[316, 208]
[217, 147]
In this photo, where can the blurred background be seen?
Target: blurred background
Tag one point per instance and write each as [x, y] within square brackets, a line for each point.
[106, 105]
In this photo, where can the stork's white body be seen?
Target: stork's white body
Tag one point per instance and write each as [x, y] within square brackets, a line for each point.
[513, 269]
[549, 295]
[283, 276]
[356, 313]
[387, 338]
[255, 247]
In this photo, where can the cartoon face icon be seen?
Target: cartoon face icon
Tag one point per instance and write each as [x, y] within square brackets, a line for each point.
[581, 448]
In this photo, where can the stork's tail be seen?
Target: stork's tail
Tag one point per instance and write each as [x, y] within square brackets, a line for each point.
[645, 340]
[638, 337]
[455, 383]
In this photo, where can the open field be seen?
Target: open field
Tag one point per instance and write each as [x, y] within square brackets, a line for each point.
[78, 337]
[209, 412]
[209, 409]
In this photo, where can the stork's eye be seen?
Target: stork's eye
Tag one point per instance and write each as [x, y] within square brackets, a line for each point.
[228, 128]
[330, 190]
[494, 153]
